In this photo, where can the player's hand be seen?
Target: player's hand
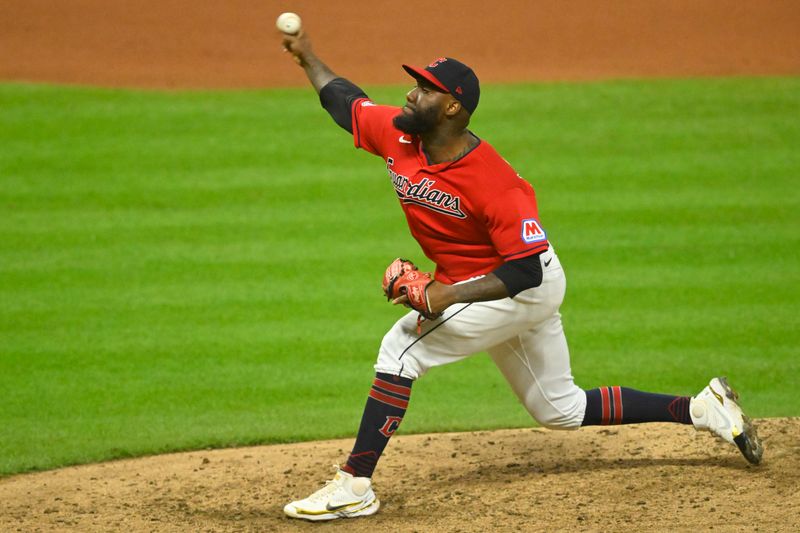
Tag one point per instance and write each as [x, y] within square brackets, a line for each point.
[440, 297]
[298, 45]
[437, 297]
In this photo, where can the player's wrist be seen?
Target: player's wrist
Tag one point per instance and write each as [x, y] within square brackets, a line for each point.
[441, 296]
[483, 289]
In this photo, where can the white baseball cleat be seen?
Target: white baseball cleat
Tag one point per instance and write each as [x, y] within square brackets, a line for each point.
[344, 496]
[717, 410]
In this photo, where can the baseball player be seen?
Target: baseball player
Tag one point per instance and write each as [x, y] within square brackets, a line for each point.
[498, 283]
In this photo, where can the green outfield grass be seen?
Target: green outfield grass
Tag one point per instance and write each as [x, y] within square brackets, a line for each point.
[194, 269]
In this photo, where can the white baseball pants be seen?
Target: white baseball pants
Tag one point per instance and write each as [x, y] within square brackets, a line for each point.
[523, 336]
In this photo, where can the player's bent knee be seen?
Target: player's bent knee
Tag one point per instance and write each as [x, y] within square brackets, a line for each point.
[565, 413]
[395, 356]
[403, 370]
[406, 366]
[561, 422]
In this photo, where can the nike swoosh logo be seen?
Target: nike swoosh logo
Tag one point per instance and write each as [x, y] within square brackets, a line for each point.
[332, 508]
[404, 140]
[547, 263]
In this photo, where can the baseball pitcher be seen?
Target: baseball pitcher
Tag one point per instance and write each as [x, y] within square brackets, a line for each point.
[497, 287]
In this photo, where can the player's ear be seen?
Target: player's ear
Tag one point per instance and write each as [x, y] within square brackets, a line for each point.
[453, 108]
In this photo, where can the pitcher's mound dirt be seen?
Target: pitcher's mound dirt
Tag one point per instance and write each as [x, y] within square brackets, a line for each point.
[655, 477]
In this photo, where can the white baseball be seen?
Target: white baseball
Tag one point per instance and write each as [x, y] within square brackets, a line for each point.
[289, 23]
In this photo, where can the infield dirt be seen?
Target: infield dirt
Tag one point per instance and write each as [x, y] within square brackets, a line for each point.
[189, 43]
[656, 477]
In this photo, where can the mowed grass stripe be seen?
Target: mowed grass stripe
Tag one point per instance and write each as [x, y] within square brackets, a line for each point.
[192, 269]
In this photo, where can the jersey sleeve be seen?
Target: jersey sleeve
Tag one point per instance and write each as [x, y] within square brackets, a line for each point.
[512, 220]
[372, 125]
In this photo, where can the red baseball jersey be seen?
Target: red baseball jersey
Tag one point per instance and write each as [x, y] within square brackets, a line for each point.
[468, 215]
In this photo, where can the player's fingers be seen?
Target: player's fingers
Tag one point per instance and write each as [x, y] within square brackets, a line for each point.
[289, 41]
[400, 300]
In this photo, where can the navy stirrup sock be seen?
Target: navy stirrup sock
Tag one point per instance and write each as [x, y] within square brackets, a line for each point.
[619, 405]
[386, 405]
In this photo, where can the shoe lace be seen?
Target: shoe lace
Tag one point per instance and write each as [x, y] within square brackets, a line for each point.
[331, 486]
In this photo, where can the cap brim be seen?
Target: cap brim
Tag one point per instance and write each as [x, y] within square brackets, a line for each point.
[424, 74]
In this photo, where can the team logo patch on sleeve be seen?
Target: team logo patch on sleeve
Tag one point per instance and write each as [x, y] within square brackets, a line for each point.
[532, 231]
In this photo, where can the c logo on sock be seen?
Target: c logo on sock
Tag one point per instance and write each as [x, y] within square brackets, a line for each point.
[390, 426]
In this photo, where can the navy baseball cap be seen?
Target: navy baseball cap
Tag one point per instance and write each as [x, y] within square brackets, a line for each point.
[451, 76]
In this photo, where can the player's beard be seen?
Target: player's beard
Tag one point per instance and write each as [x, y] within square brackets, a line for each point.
[416, 122]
